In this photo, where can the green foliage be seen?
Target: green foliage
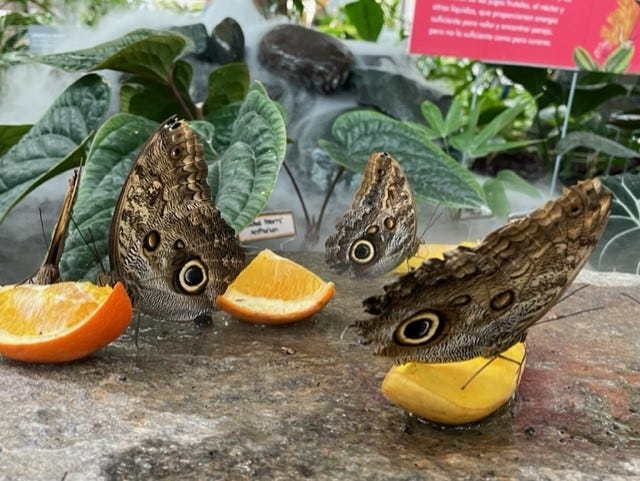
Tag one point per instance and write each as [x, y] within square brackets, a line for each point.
[243, 134]
[433, 174]
[617, 249]
[55, 143]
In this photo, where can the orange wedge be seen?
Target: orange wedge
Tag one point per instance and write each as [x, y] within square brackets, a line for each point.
[275, 290]
[60, 322]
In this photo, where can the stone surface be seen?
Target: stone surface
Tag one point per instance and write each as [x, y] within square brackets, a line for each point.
[226, 44]
[238, 401]
[308, 57]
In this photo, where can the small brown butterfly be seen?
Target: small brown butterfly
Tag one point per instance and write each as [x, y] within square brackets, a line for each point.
[480, 301]
[378, 231]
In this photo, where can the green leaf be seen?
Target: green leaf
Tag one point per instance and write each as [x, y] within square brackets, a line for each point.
[496, 197]
[617, 249]
[249, 167]
[589, 97]
[512, 180]
[478, 144]
[434, 176]
[222, 120]
[112, 153]
[595, 142]
[156, 100]
[433, 116]
[55, 142]
[227, 84]
[10, 135]
[455, 119]
[144, 52]
[367, 17]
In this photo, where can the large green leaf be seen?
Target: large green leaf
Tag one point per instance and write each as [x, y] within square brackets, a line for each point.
[156, 100]
[112, 153]
[249, 167]
[617, 249]
[54, 143]
[144, 52]
[434, 176]
[227, 84]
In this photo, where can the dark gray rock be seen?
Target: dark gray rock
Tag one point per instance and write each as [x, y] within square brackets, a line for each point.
[226, 44]
[310, 58]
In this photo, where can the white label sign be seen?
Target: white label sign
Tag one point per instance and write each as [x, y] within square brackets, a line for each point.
[270, 225]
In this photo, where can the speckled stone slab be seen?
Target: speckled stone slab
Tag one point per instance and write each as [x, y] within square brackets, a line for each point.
[238, 401]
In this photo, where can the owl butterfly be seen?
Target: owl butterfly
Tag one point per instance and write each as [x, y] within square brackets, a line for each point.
[479, 301]
[379, 230]
[168, 243]
[48, 272]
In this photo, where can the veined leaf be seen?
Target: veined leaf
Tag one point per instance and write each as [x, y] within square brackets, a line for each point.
[144, 52]
[617, 249]
[249, 167]
[227, 84]
[434, 176]
[155, 100]
[112, 153]
[55, 143]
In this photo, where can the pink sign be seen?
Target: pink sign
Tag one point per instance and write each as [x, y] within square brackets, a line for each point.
[567, 34]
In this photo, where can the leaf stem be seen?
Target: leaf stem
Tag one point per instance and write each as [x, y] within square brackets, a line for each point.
[179, 98]
[299, 194]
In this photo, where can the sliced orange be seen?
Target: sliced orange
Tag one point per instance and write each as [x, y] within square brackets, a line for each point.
[275, 290]
[60, 322]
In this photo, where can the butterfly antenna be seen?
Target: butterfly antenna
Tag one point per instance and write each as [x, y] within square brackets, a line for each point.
[91, 245]
[44, 234]
[519, 363]
[575, 291]
[564, 316]
[433, 218]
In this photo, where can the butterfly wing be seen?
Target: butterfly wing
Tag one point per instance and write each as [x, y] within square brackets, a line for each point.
[378, 231]
[168, 243]
[481, 300]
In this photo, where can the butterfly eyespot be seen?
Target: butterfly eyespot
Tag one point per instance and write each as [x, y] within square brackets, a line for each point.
[381, 172]
[178, 244]
[151, 241]
[362, 251]
[390, 223]
[175, 152]
[502, 300]
[192, 277]
[420, 329]
[575, 211]
[372, 229]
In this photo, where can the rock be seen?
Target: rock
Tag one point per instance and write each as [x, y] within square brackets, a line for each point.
[226, 44]
[310, 58]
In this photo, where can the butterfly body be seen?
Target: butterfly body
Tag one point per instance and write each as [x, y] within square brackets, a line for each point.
[378, 231]
[168, 243]
[480, 301]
